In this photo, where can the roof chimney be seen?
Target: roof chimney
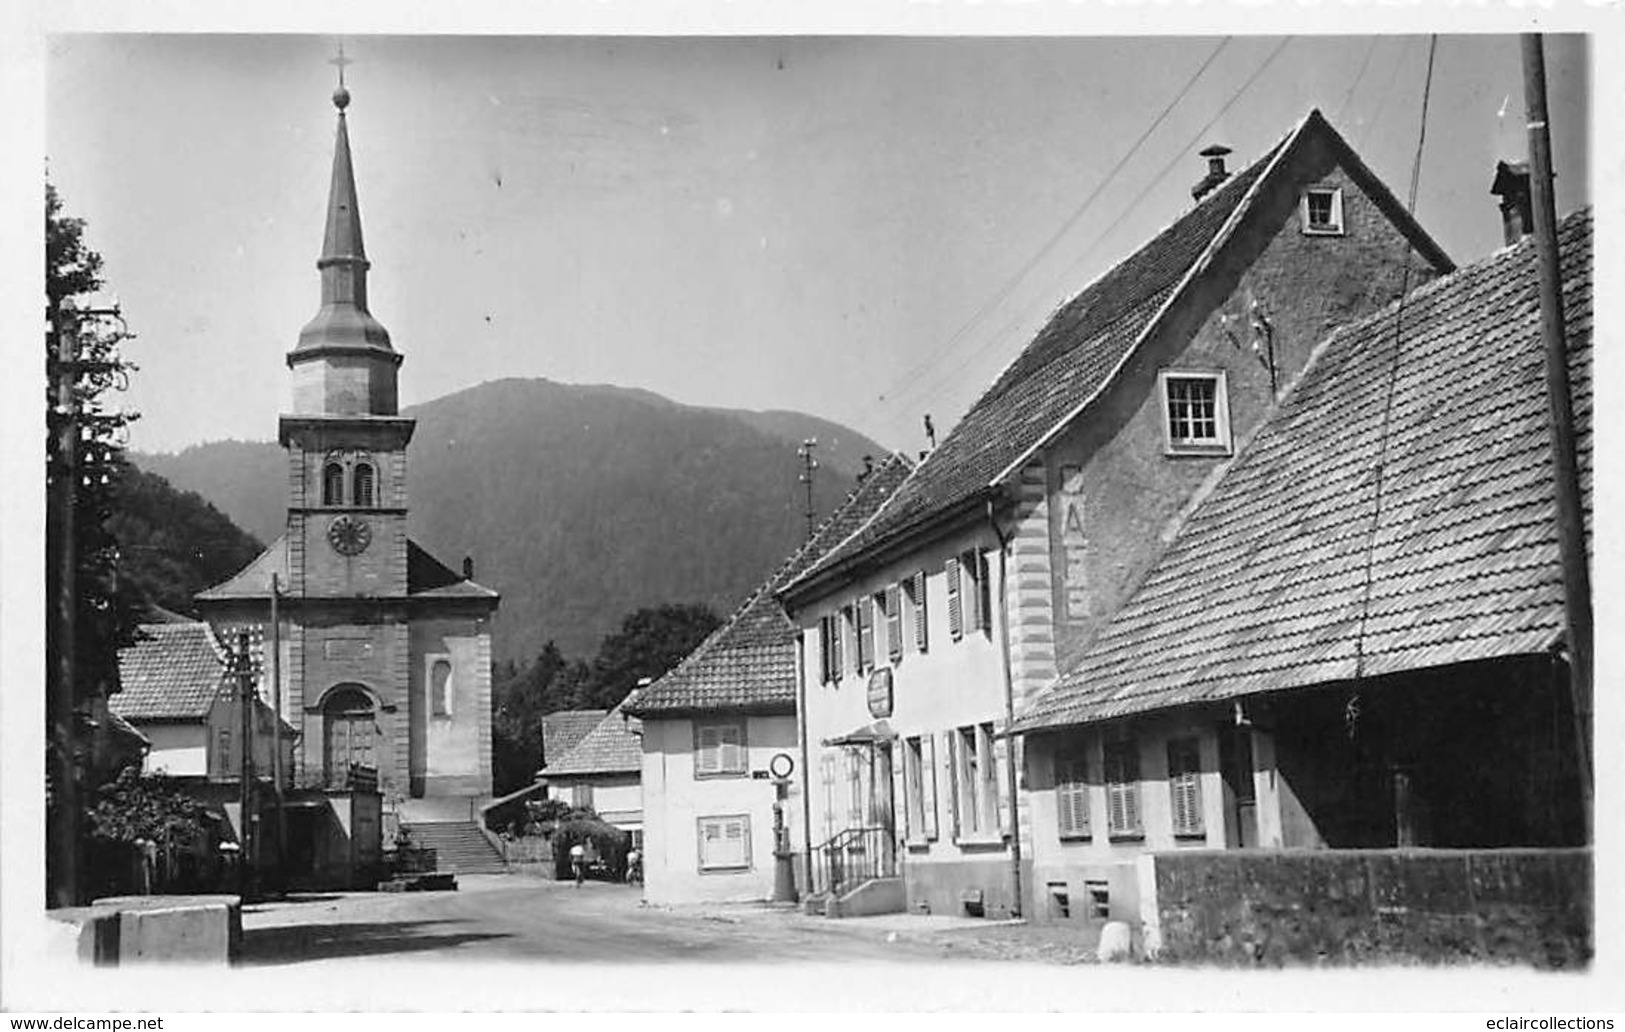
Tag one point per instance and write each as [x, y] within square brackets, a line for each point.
[468, 567]
[1512, 186]
[1216, 173]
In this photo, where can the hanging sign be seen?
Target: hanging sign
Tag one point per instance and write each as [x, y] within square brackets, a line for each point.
[880, 692]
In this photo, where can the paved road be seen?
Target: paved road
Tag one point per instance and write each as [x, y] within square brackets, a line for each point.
[514, 917]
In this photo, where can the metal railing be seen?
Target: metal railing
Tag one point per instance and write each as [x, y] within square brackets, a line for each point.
[853, 857]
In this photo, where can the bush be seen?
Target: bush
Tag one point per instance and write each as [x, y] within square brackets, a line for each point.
[586, 828]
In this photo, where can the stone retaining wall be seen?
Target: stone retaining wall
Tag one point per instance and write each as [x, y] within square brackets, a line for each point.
[1275, 907]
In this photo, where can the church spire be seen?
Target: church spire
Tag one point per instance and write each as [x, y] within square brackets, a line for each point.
[344, 331]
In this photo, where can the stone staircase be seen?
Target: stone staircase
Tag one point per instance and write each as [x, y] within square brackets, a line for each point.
[459, 847]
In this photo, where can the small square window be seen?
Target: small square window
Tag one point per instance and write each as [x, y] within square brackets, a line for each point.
[1323, 211]
[724, 843]
[1196, 410]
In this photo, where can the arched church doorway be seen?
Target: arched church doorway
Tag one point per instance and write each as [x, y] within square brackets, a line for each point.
[349, 734]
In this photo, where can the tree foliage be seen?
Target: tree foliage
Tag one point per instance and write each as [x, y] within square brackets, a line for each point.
[649, 642]
[107, 611]
[133, 806]
[173, 543]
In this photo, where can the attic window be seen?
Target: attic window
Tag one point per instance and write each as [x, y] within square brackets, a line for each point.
[1196, 412]
[1323, 211]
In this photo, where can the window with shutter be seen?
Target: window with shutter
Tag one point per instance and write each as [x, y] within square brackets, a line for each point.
[581, 795]
[1122, 775]
[826, 768]
[719, 750]
[892, 601]
[866, 635]
[987, 782]
[1185, 786]
[955, 629]
[970, 591]
[843, 635]
[1072, 797]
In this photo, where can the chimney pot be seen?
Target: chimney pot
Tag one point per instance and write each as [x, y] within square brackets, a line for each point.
[1216, 172]
[468, 567]
[1512, 186]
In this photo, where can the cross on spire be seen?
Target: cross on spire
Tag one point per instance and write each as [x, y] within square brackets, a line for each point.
[341, 96]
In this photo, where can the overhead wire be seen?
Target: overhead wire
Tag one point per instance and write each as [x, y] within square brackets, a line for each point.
[1385, 427]
[1014, 280]
[1358, 78]
[1127, 210]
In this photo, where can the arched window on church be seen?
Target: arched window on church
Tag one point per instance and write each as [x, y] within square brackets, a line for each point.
[333, 484]
[363, 484]
[440, 686]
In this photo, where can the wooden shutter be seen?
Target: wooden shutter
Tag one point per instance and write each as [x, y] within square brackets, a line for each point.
[921, 624]
[984, 596]
[837, 638]
[1185, 786]
[730, 748]
[866, 635]
[1123, 788]
[951, 754]
[894, 622]
[955, 615]
[928, 784]
[1071, 798]
[707, 749]
[1001, 782]
[826, 768]
[823, 650]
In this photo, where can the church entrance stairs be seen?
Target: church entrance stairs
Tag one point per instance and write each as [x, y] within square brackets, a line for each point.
[460, 847]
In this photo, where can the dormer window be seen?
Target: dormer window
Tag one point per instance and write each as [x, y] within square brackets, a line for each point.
[363, 484]
[1196, 412]
[1323, 211]
[333, 484]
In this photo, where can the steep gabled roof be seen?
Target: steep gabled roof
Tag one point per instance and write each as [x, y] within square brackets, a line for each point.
[1079, 351]
[174, 672]
[749, 663]
[614, 746]
[1263, 588]
[562, 729]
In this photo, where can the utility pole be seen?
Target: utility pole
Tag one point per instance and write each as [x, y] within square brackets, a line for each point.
[245, 787]
[65, 833]
[275, 647]
[808, 464]
[1565, 466]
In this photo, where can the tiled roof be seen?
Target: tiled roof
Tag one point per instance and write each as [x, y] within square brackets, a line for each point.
[561, 730]
[1077, 353]
[173, 673]
[613, 747]
[426, 576]
[749, 663]
[1263, 588]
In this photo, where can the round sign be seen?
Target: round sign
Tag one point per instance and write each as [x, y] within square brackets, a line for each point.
[781, 765]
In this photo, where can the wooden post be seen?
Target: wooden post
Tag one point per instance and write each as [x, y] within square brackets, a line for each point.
[65, 832]
[1565, 465]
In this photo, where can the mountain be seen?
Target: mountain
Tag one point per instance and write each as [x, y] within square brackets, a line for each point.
[173, 543]
[579, 503]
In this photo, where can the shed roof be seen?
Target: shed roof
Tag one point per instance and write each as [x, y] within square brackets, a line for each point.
[1080, 349]
[749, 663]
[1265, 585]
[426, 577]
[614, 746]
[173, 672]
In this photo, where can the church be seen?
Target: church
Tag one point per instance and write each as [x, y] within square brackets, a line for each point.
[383, 652]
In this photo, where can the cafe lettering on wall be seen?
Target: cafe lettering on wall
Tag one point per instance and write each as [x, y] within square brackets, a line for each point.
[880, 692]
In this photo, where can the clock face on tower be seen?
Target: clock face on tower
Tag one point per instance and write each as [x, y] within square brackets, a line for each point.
[349, 535]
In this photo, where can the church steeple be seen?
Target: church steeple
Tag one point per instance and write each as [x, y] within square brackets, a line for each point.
[344, 364]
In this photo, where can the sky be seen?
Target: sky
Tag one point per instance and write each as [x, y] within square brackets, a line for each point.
[863, 228]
